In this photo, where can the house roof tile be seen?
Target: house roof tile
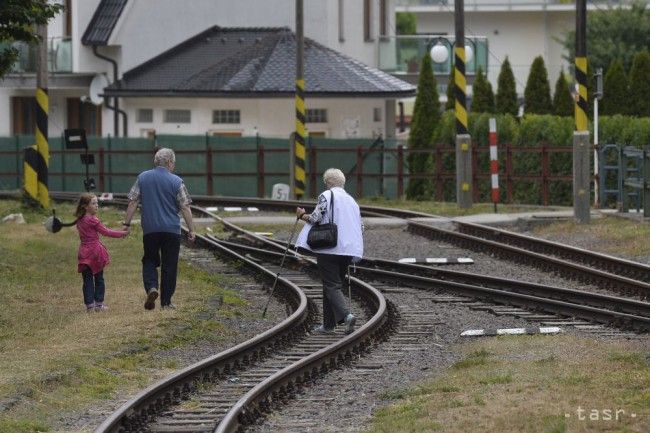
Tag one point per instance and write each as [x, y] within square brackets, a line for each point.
[103, 22]
[248, 62]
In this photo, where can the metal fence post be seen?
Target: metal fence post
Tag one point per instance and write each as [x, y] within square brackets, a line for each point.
[545, 173]
[645, 182]
[208, 169]
[260, 170]
[312, 169]
[400, 171]
[509, 185]
[18, 161]
[359, 172]
[101, 169]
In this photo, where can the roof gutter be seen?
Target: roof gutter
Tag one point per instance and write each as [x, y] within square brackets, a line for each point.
[116, 104]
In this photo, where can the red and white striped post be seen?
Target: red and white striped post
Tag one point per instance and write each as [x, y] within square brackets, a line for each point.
[494, 162]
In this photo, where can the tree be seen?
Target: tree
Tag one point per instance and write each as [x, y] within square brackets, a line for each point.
[18, 20]
[483, 96]
[563, 103]
[537, 95]
[426, 114]
[506, 98]
[451, 91]
[616, 97]
[406, 23]
[639, 85]
[613, 33]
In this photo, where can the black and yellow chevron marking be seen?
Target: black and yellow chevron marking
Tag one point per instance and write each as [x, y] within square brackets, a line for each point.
[460, 92]
[37, 156]
[581, 101]
[299, 142]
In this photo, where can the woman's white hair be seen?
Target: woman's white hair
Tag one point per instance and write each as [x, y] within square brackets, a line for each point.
[164, 158]
[334, 177]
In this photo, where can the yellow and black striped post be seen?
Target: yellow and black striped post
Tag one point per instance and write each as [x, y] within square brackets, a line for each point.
[581, 106]
[581, 142]
[460, 86]
[463, 139]
[37, 157]
[299, 138]
[299, 141]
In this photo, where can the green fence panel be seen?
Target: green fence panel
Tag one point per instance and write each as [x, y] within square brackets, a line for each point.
[235, 166]
[11, 163]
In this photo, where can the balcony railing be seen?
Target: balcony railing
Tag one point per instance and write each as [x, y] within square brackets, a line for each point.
[509, 4]
[59, 56]
[403, 54]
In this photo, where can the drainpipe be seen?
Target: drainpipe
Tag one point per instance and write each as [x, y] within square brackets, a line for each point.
[116, 105]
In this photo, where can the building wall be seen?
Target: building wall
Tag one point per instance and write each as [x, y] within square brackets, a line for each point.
[347, 118]
[150, 27]
[521, 36]
[141, 37]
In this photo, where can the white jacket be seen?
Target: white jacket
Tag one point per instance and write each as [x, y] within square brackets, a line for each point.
[347, 217]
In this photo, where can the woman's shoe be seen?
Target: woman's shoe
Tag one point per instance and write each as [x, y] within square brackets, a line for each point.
[323, 330]
[350, 320]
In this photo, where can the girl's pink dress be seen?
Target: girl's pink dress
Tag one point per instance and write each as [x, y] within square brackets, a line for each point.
[92, 252]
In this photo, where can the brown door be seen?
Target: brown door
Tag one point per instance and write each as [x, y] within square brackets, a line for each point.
[85, 115]
[23, 115]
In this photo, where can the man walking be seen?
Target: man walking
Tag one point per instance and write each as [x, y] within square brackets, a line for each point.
[161, 195]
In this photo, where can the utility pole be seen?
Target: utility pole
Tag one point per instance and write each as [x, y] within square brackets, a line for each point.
[581, 173]
[463, 139]
[298, 178]
[37, 157]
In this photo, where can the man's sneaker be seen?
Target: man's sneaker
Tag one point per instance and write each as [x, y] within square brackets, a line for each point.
[350, 320]
[169, 306]
[152, 295]
[323, 330]
[101, 307]
[90, 308]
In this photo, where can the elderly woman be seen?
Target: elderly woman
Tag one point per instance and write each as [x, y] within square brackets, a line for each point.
[333, 262]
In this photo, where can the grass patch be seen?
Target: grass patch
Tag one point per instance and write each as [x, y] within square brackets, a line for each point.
[56, 358]
[562, 384]
[616, 236]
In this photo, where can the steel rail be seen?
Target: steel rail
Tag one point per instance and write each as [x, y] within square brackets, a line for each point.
[153, 398]
[600, 301]
[572, 270]
[601, 315]
[597, 300]
[628, 283]
[620, 266]
[301, 370]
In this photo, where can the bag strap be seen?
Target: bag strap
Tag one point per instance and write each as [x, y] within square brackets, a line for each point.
[332, 206]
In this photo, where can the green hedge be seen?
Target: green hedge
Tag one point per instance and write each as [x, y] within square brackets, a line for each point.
[532, 131]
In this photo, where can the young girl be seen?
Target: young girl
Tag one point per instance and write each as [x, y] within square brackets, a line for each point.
[93, 256]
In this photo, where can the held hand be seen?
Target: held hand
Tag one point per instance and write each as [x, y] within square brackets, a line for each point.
[299, 212]
[191, 236]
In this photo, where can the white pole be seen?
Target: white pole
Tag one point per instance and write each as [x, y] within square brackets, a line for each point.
[596, 153]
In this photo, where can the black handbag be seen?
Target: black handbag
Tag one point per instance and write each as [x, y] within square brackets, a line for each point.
[324, 235]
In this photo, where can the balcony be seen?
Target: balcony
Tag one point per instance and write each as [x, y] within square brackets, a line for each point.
[424, 6]
[59, 56]
[402, 55]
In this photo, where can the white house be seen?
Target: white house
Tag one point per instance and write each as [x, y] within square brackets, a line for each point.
[518, 29]
[104, 42]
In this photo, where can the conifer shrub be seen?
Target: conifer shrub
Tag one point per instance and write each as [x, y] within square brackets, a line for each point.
[537, 95]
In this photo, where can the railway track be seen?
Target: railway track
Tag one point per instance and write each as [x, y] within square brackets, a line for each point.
[254, 376]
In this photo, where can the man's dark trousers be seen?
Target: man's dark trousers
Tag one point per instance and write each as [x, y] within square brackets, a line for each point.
[161, 249]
